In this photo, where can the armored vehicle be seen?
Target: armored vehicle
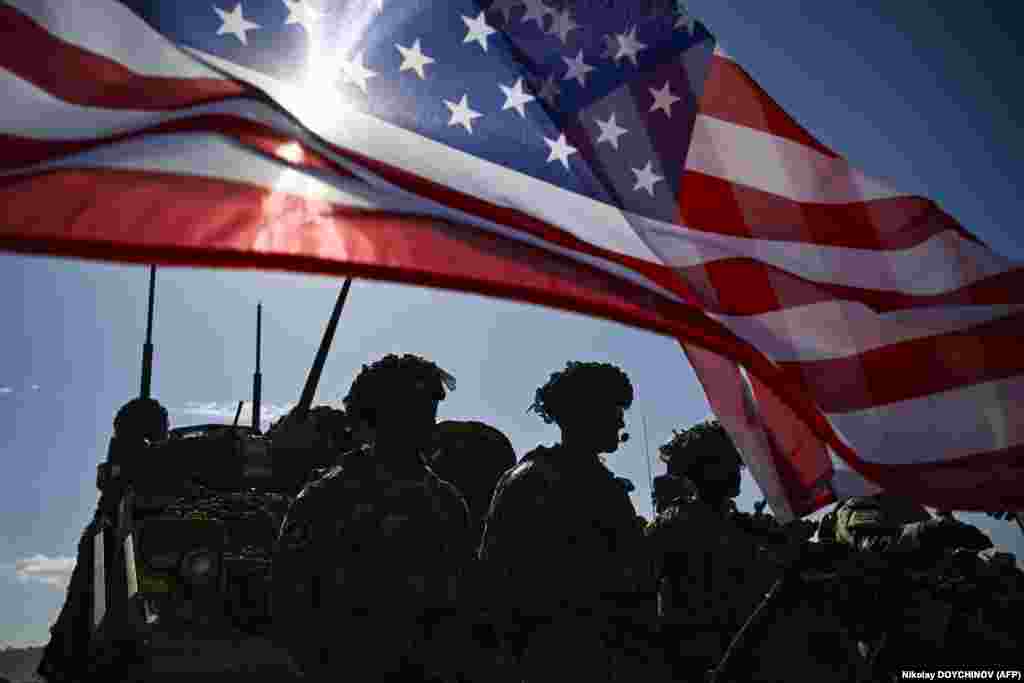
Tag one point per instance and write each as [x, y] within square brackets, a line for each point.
[173, 573]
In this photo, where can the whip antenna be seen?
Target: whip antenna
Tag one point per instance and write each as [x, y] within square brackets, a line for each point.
[650, 473]
[147, 348]
[257, 377]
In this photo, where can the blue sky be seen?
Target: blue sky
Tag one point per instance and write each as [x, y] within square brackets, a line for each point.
[925, 97]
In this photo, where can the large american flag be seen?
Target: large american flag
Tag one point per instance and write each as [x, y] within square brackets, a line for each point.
[598, 156]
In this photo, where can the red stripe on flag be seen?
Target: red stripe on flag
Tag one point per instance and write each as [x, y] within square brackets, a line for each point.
[743, 286]
[657, 273]
[930, 365]
[980, 481]
[801, 459]
[719, 206]
[20, 151]
[25, 151]
[142, 216]
[730, 94]
[761, 441]
[85, 78]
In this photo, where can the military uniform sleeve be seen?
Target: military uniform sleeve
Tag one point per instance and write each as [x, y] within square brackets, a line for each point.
[519, 545]
[456, 513]
[509, 509]
[688, 553]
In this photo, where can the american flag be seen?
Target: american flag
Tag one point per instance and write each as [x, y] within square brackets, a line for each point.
[599, 156]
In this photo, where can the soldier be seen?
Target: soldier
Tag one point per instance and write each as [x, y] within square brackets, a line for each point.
[710, 562]
[472, 456]
[300, 450]
[943, 598]
[66, 656]
[671, 489]
[561, 540]
[369, 555]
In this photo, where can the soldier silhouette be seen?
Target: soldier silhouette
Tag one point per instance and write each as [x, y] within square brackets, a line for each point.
[561, 539]
[710, 562]
[66, 656]
[369, 558]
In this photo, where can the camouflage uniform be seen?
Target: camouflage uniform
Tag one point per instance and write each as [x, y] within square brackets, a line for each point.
[713, 565]
[325, 436]
[368, 557]
[564, 547]
[711, 576]
[948, 601]
[473, 456]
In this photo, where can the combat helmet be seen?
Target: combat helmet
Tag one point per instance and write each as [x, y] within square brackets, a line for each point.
[573, 392]
[862, 516]
[472, 456]
[386, 380]
[142, 418]
[689, 448]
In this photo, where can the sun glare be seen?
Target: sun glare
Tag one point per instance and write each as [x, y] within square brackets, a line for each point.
[291, 151]
[329, 59]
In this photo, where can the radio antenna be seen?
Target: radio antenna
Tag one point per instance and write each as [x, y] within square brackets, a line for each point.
[147, 348]
[257, 377]
[650, 472]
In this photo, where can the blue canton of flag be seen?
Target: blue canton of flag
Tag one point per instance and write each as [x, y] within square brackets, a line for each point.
[596, 97]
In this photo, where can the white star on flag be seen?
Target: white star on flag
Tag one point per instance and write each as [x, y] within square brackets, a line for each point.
[663, 99]
[629, 46]
[560, 150]
[302, 13]
[561, 24]
[536, 10]
[645, 178]
[515, 98]
[355, 72]
[414, 59]
[478, 30]
[577, 69]
[505, 7]
[610, 131]
[461, 113]
[234, 23]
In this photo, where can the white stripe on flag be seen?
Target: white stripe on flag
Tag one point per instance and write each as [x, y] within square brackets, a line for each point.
[732, 401]
[938, 427]
[847, 482]
[838, 329]
[757, 159]
[110, 29]
[31, 112]
[941, 264]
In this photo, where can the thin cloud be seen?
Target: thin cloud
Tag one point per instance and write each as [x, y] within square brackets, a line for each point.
[21, 644]
[226, 411]
[6, 390]
[35, 387]
[52, 571]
